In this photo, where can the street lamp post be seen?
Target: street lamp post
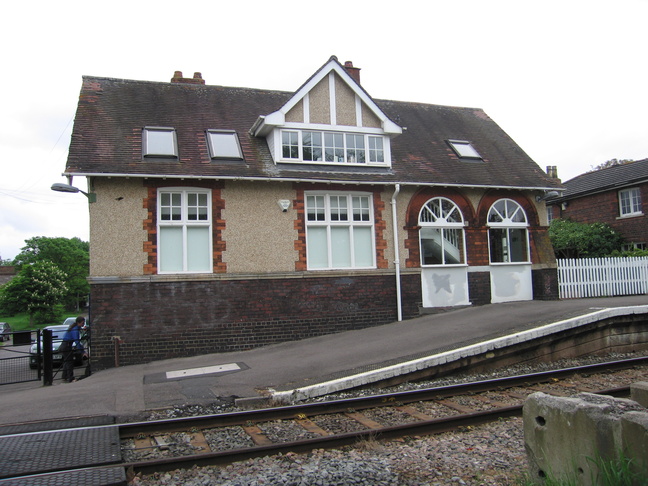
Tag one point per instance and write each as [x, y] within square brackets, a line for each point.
[60, 187]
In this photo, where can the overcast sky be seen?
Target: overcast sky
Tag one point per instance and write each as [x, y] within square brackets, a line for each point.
[565, 78]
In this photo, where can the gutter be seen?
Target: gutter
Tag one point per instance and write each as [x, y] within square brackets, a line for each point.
[396, 253]
[310, 181]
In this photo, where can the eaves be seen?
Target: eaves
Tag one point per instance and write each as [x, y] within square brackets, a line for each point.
[306, 180]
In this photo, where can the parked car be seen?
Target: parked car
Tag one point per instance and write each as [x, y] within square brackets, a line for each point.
[5, 332]
[58, 332]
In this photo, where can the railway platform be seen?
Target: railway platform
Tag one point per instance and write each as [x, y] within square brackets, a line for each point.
[302, 368]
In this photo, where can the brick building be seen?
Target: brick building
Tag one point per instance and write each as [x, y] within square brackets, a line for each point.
[613, 195]
[227, 218]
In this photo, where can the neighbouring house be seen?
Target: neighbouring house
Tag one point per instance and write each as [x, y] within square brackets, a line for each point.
[223, 219]
[613, 195]
[7, 273]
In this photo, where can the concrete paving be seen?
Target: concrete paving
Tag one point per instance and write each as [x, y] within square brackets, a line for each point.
[300, 368]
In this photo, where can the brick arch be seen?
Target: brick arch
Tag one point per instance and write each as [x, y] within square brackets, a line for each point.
[489, 198]
[412, 227]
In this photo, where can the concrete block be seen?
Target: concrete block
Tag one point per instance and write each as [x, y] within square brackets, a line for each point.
[639, 393]
[634, 431]
[565, 437]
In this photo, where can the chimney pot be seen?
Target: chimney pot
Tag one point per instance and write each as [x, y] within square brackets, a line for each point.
[178, 78]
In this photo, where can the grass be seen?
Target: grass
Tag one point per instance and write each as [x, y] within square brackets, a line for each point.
[611, 472]
[19, 322]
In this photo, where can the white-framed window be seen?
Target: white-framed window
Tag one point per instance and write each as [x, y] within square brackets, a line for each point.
[441, 236]
[312, 146]
[184, 230]
[376, 151]
[633, 246]
[508, 235]
[224, 144]
[339, 231]
[630, 202]
[290, 144]
[333, 147]
[159, 142]
[464, 149]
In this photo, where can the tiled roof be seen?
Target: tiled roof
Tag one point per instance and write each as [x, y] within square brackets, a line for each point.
[606, 179]
[112, 112]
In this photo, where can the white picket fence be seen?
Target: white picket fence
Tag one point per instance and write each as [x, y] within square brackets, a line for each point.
[602, 277]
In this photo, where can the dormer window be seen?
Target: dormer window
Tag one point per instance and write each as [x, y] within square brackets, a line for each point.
[224, 144]
[159, 142]
[332, 147]
[464, 149]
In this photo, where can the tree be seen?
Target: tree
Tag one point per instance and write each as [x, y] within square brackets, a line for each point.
[611, 163]
[571, 239]
[72, 256]
[38, 289]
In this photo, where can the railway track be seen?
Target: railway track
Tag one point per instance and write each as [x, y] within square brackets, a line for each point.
[170, 444]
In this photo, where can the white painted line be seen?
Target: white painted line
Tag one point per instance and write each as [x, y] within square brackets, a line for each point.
[202, 371]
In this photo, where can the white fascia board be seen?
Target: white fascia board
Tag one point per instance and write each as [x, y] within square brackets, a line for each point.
[277, 119]
[265, 124]
[298, 179]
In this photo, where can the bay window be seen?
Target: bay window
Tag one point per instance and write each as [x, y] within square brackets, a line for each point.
[339, 231]
[184, 231]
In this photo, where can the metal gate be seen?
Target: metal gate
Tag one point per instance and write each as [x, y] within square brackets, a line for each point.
[15, 364]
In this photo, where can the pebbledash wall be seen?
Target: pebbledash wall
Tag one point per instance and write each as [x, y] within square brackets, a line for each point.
[178, 318]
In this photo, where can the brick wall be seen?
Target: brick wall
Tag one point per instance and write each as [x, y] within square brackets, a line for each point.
[161, 320]
[604, 208]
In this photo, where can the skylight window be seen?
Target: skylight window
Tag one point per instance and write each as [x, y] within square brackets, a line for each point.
[159, 142]
[224, 144]
[464, 149]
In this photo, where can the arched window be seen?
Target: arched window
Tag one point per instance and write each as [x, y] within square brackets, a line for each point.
[507, 233]
[441, 234]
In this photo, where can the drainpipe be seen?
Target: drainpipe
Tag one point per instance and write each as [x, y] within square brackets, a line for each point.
[396, 246]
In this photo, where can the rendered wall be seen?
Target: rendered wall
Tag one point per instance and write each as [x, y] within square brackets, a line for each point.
[258, 236]
[117, 233]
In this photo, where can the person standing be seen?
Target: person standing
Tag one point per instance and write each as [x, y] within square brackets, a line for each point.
[71, 337]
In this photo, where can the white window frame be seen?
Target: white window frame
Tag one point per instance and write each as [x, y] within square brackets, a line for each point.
[324, 214]
[512, 217]
[443, 214]
[374, 152]
[148, 148]
[185, 223]
[630, 202]
[231, 145]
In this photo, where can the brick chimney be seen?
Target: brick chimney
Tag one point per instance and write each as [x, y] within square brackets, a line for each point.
[552, 171]
[354, 72]
[197, 78]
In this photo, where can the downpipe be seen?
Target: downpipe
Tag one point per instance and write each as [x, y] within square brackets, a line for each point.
[396, 253]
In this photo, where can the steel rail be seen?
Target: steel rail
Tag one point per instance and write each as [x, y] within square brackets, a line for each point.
[360, 403]
[427, 427]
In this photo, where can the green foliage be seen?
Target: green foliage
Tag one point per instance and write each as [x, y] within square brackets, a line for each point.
[18, 322]
[631, 253]
[38, 289]
[571, 239]
[72, 256]
[611, 163]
